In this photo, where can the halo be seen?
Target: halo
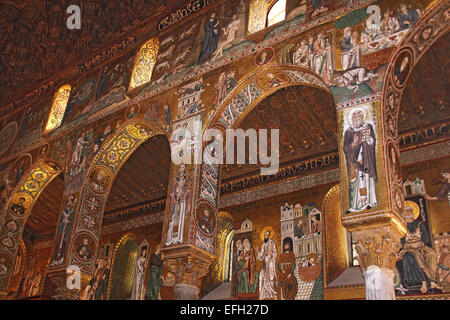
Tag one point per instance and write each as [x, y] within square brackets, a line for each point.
[314, 256]
[263, 231]
[414, 207]
[364, 111]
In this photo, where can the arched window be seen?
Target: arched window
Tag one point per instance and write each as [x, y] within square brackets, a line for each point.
[264, 13]
[125, 256]
[277, 13]
[58, 108]
[144, 63]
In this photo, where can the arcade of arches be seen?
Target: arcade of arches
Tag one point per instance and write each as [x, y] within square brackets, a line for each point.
[94, 205]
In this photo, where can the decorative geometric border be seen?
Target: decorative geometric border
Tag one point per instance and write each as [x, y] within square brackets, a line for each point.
[11, 225]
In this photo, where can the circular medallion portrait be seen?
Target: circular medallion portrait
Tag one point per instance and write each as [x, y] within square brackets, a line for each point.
[7, 136]
[84, 246]
[206, 219]
[19, 204]
[264, 56]
[402, 68]
[6, 264]
[20, 166]
[270, 79]
[132, 111]
[394, 160]
[100, 179]
[43, 152]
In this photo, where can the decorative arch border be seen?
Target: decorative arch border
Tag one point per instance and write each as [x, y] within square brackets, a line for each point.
[12, 223]
[21, 273]
[415, 46]
[256, 86]
[98, 182]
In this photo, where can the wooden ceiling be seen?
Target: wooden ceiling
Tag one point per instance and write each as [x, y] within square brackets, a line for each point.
[306, 118]
[426, 96]
[144, 176]
[35, 42]
[45, 213]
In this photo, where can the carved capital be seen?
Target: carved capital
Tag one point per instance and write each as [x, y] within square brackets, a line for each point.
[58, 289]
[189, 264]
[377, 250]
[187, 270]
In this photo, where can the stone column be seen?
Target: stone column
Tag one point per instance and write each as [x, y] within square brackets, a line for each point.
[190, 221]
[377, 250]
[58, 289]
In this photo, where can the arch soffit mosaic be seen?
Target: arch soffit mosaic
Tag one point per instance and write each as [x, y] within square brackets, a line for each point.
[414, 45]
[19, 208]
[107, 164]
[255, 87]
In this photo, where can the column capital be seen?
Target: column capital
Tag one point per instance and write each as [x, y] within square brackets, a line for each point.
[377, 247]
[376, 223]
[60, 289]
[189, 264]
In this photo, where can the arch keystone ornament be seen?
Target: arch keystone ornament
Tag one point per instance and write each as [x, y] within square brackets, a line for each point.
[256, 86]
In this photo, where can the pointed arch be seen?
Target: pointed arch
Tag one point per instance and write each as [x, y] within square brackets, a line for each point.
[255, 87]
[99, 180]
[144, 63]
[335, 244]
[277, 12]
[17, 211]
[413, 46]
[58, 108]
[122, 272]
[334, 237]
